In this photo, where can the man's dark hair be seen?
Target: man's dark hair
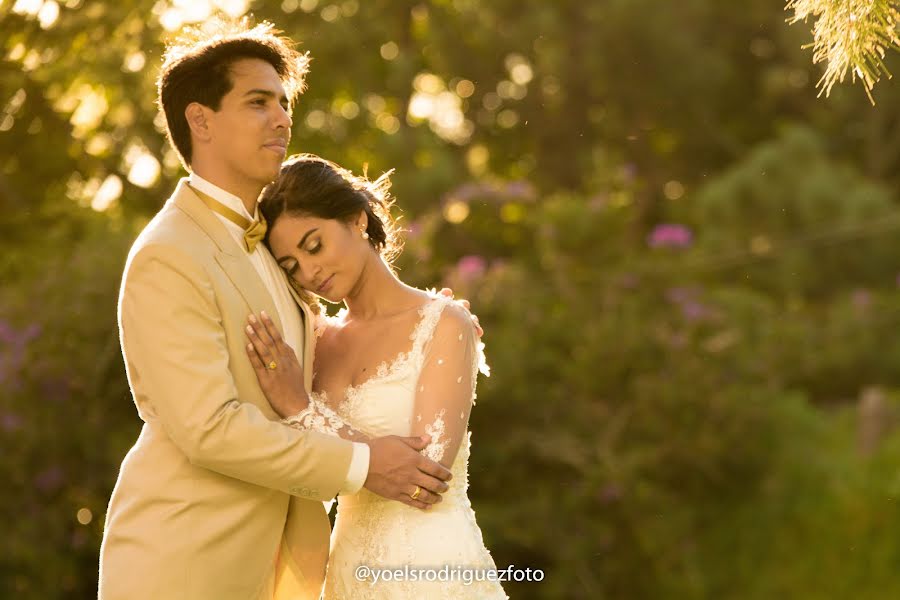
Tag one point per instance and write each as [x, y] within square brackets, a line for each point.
[197, 68]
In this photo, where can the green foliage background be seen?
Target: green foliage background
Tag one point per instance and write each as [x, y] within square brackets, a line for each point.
[686, 265]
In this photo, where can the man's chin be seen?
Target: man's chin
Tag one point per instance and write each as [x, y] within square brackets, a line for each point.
[269, 176]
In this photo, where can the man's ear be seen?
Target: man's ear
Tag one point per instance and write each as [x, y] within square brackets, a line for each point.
[196, 116]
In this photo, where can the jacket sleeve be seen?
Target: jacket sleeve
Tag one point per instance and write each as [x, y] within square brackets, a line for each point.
[177, 360]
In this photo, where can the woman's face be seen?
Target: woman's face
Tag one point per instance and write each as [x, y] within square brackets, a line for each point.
[325, 256]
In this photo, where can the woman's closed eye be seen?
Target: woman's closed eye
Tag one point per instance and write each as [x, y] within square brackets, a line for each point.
[289, 267]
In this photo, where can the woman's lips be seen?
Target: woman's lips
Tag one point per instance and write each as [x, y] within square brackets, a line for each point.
[325, 285]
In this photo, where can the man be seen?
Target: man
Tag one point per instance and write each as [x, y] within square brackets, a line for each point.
[218, 499]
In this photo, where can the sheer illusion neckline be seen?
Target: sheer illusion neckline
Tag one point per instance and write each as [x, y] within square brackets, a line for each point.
[386, 369]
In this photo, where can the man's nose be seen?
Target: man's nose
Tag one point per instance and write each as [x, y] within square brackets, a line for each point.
[283, 118]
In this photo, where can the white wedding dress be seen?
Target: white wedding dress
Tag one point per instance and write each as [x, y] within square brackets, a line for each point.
[411, 553]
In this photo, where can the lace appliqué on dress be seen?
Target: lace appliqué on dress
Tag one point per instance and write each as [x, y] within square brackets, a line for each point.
[318, 416]
[435, 450]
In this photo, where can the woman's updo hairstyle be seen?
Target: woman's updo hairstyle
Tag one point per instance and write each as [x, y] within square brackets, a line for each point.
[312, 186]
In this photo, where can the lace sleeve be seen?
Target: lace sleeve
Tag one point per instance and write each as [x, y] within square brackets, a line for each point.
[318, 416]
[445, 391]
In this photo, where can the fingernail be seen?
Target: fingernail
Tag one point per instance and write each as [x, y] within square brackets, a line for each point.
[250, 347]
[264, 315]
[249, 330]
[253, 318]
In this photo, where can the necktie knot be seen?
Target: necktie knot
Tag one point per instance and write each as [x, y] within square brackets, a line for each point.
[254, 231]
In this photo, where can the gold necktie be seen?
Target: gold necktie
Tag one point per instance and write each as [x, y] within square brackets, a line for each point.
[254, 231]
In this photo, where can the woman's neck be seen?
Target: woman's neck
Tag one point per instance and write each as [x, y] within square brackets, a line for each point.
[379, 293]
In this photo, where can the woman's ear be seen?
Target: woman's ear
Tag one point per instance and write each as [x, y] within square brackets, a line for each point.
[362, 221]
[195, 115]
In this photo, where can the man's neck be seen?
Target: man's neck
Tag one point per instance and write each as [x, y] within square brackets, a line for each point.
[248, 192]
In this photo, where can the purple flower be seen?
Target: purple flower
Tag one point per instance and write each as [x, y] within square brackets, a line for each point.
[471, 267]
[521, 189]
[610, 493]
[628, 171]
[468, 191]
[598, 202]
[861, 299]
[694, 311]
[414, 230]
[678, 295]
[50, 479]
[9, 334]
[56, 389]
[670, 235]
[10, 422]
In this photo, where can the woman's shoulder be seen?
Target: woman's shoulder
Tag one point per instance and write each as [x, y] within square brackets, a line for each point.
[446, 317]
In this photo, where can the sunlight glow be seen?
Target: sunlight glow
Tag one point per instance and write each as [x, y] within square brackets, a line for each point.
[27, 7]
[48, 14]
[134, 62]
[92, 107]
[389, 51]
[108, 193]
[145, 171]
[442, 109]
[456, 211]
[84, 516]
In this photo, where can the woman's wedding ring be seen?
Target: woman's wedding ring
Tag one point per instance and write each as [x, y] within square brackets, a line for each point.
[415, 494]
[272, 366]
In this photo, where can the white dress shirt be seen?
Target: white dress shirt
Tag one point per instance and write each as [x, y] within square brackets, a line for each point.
[273, 278]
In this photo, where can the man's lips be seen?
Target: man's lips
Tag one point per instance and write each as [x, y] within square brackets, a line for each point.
[278, 146]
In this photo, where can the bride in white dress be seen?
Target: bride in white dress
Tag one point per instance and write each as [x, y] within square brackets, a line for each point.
[395, 361]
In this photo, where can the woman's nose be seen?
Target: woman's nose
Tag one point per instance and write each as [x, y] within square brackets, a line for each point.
[310, 270]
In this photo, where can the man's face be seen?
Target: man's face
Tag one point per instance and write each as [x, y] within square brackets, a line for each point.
[251, 130]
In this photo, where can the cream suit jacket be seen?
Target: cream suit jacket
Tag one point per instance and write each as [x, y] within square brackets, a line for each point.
[217, 500]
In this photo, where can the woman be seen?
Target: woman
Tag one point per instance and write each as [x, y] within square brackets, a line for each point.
[395, 361]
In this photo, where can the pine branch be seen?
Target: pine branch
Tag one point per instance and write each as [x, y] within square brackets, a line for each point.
[850, 35]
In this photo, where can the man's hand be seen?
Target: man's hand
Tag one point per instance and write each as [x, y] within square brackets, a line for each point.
[396, 468]
[465, 304]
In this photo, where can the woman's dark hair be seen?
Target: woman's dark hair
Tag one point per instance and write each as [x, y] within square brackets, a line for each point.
[197, 68]
[310, 185]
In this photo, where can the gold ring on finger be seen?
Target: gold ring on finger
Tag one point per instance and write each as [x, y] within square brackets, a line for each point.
[415, 494]
[272, 365]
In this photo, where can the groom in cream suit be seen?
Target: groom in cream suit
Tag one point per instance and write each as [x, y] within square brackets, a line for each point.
[218, 500]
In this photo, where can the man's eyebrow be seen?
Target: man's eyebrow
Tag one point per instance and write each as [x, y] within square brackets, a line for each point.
[267, 93]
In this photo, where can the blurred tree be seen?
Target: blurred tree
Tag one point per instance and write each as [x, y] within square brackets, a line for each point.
[684, 263]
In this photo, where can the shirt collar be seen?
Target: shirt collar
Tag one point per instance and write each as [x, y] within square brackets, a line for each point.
[226, 198]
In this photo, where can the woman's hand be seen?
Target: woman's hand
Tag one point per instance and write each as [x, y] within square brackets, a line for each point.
[277, 368]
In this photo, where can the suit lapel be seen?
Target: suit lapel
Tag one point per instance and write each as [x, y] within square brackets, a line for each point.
[309, 336]
[235, 262]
